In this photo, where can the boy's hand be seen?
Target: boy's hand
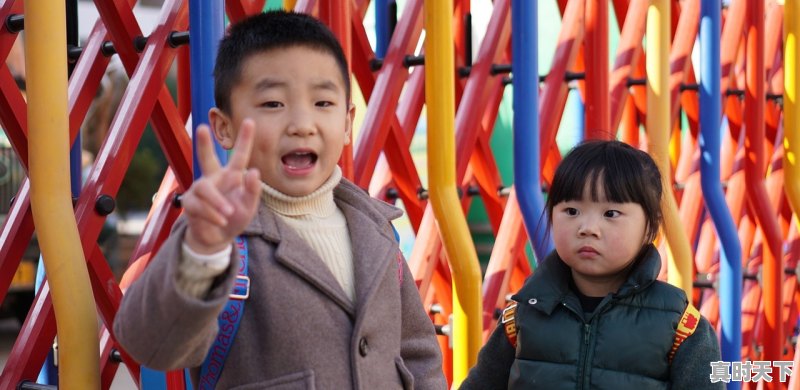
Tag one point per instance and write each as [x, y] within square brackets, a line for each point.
[220, 204]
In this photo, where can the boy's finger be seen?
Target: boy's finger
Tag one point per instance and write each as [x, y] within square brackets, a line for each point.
[206, 157]
[203, 208]
[211, 195]
[244, 145]
[252, 186]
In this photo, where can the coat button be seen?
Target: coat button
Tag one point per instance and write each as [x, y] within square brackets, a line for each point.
[363, 347]
[532, 301]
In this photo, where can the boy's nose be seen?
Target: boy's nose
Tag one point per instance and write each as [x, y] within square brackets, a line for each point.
[301, 124]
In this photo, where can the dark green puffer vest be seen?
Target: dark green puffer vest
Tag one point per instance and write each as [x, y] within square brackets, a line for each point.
[622, 345]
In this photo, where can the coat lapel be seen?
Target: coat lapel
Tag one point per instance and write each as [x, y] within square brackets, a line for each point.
[295, 254]
[372, 251]
[371, 237]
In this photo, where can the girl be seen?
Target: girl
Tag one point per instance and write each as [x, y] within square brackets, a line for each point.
[593, 314]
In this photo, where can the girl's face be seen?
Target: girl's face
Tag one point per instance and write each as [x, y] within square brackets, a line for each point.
[598, 240]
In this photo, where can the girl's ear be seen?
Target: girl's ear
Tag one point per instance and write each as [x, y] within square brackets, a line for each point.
[222, 126]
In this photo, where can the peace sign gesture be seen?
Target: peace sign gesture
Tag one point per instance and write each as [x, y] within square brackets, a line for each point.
[220, 204]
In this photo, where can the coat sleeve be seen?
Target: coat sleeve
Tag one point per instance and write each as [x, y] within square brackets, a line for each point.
[419, 347]
[691, 367]
[494, 363]
[162, 327]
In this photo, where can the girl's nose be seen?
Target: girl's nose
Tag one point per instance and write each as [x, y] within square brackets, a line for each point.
[588, 228]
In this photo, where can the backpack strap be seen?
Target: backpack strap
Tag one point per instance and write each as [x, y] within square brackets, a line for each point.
[228, 321]
[508, 320]
[686, 327]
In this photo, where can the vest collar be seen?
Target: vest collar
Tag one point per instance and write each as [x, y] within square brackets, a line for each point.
[549, 284]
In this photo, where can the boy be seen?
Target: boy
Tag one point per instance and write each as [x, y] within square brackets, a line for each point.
[330, 301]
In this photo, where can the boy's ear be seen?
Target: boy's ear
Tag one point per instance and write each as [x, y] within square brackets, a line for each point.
[222, 126]
[348, 128]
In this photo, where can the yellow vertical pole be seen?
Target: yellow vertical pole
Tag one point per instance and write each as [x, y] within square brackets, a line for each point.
[791, 86]
[51, 200]
[658, 130]
[289, 4]
[440, 100]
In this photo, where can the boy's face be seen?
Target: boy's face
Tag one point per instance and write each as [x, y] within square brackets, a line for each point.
[303, 120]
[598, 240]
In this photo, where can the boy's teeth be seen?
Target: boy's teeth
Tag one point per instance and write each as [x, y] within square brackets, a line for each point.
[299, 160]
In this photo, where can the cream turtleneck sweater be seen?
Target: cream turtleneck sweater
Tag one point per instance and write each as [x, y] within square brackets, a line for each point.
[315, 217]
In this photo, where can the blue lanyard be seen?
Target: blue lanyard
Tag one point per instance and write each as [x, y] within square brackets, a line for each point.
[228, 321]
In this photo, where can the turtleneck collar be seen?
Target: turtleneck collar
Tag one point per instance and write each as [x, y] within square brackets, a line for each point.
[318, 203]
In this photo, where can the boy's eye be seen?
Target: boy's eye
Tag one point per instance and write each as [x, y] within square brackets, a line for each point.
[611, 214]
[324, 103]
[272, 104]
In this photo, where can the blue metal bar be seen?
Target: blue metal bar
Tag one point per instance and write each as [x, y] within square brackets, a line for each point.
[382, 27]
[527, 180]
[206, 28]
[730, 290]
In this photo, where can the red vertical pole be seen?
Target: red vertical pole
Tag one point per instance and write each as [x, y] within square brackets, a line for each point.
[755, 165]
[337, 14]
[596, 49]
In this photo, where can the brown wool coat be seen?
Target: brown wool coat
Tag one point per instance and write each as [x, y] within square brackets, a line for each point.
[299, 330]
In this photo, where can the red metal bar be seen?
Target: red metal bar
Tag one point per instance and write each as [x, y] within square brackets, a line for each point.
[87, 73]
[629, 52]
[184, 83]
[337, 14]
[680, 55]
[388, 86]
[7, 38]
[596, 49]
[732, 31]
[38, 331]
[553, 95]
[620, 12]
[757, 194]
[512, 237]
[118, 18]
[479, 85]
[398, 140]
[238, 10]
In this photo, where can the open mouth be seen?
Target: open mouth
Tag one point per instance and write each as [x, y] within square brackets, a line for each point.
[299, 160]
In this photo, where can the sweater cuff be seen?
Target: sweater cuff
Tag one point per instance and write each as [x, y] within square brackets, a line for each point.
[196, 272]
[217, 261]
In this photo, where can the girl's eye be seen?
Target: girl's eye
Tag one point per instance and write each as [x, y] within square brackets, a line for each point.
[272, 104]
[571, 211]
[324, 103]
[611, 214]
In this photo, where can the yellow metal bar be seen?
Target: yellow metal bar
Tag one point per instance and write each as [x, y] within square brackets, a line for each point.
[791, 86]
[289, 4]
[51, 200]
[440, 100]
[658, 134]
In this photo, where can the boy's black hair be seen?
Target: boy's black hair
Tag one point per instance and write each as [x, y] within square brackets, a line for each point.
[628, 175]
[269, 31]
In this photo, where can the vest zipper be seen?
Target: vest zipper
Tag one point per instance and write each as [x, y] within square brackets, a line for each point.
[584, 369]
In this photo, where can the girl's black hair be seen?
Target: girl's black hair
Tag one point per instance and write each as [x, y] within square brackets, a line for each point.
[269, 31]
[628, 175]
